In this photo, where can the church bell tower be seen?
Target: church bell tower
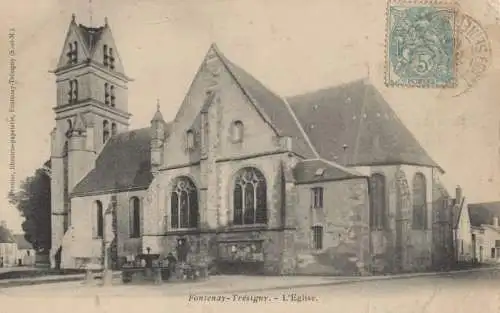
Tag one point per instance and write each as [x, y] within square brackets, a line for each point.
[91, 107]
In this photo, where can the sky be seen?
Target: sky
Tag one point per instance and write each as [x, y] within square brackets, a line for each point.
[292, 46]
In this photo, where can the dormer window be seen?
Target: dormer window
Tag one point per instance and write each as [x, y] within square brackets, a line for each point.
[190, 140]
[112, 95]
[237, 132]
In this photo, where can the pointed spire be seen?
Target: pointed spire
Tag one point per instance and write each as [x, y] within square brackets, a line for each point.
[157, 116]
[214, 46]
[106, 21]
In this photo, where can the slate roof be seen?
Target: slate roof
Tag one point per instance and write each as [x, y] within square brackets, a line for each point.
[483, 213]
[91, 35]
[22, 243]
[273, 108]
[353, 114]
[123, 164]
[317, 170]
[356, 115]
[5, 235]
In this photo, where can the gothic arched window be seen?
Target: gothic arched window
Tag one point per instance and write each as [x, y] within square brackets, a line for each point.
[135, 217]
[378, 211]
[75, 90]
[184, 204]
[111, 59]
[75, 53]
[190, 140]
[70, 92]
[69, 55]
[249, 197]
[419, 202]
[98, 225]
[112, 95]
[237, 131]
[106, 93]
[105, 55]
[105, 131]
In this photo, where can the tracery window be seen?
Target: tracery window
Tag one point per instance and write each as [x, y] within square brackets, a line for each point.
[98, 225]
[184, 204]
[419, 202]
[378, 210]
[135, 217]
[249, 197]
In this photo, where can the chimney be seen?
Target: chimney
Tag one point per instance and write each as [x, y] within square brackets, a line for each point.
[458, 194]
[495, 221]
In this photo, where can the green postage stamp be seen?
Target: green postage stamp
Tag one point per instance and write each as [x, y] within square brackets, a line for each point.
[420, 44]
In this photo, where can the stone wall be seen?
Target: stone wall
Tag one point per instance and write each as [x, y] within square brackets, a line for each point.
[344, 218]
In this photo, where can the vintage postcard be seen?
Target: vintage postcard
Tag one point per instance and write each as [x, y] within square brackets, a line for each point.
[205, 155]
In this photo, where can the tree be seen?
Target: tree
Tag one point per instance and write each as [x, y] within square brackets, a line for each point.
[33, 202]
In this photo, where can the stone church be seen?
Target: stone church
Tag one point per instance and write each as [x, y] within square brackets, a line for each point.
[242, 179]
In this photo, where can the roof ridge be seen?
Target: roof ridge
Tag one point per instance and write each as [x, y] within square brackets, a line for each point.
[329, 88]
[306, 137]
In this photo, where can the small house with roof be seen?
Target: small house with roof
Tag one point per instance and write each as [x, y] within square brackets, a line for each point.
[8, 247]
[485, 225]
[244, 179]
[25, 254]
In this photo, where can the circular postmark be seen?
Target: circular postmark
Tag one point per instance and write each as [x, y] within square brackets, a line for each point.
[472, 53]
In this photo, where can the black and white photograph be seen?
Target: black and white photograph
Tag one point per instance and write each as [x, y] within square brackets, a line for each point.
[291, 155]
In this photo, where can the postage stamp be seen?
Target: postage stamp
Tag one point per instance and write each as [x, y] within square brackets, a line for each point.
[420, 44]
